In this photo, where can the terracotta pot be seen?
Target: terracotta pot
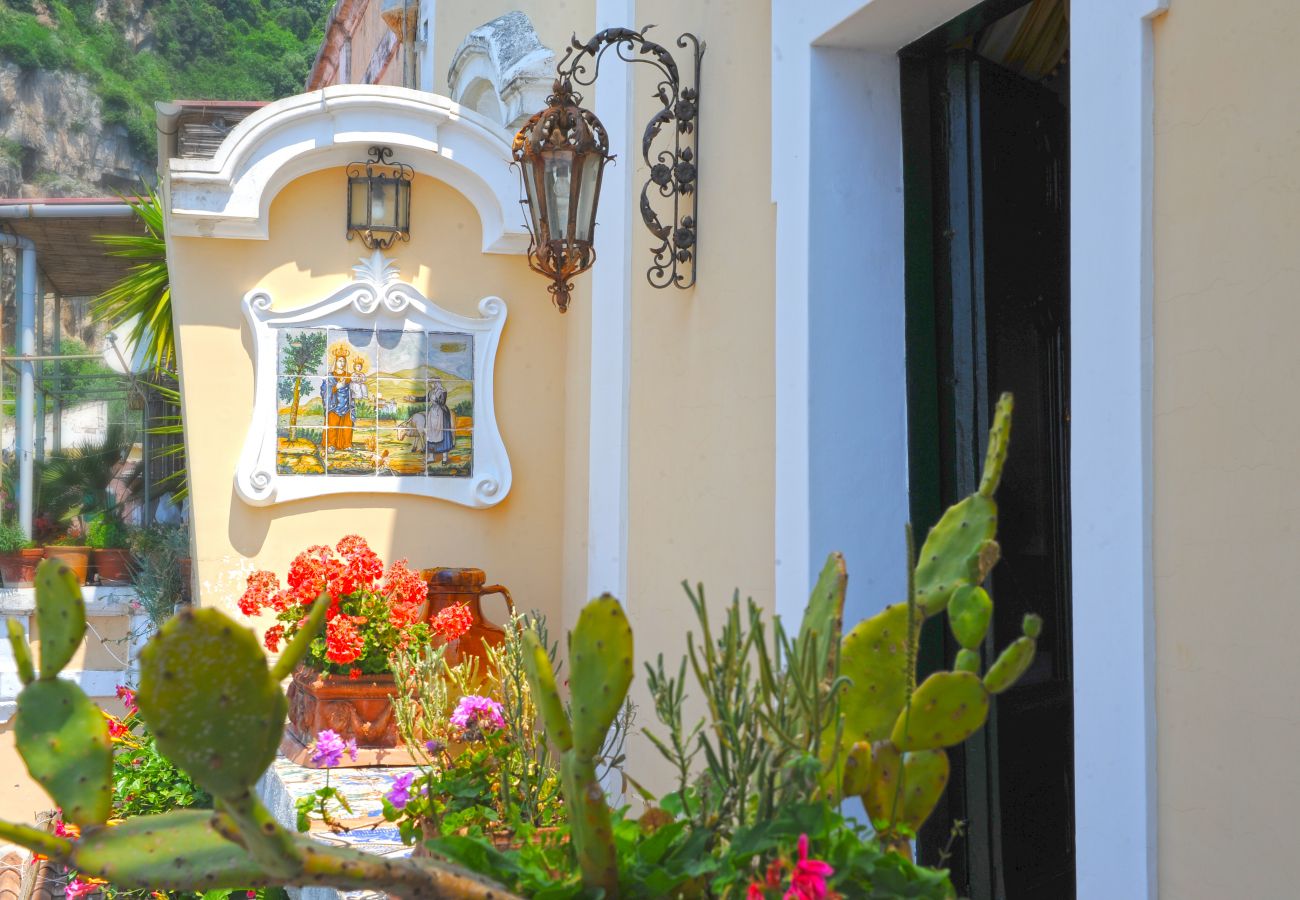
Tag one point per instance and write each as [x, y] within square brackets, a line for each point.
[448, 587]
[75, 558]
[354, 708]
[19, 569]
[113, 566]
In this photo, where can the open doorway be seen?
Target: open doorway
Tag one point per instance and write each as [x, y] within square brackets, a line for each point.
[985, 105]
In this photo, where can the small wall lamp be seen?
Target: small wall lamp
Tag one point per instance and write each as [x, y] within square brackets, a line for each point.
[561, 153]
[379, 200]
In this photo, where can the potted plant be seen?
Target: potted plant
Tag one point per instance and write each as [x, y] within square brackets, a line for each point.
[78, 486]
[345, 683]
[18, 556]
[110, 542]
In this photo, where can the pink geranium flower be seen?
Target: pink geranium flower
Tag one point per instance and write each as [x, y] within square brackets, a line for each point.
[808, 881]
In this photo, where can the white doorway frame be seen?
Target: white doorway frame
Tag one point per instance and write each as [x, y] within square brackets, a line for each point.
[841, 367]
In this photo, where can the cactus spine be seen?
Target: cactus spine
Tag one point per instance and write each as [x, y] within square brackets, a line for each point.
[600, 658]
[894, 738]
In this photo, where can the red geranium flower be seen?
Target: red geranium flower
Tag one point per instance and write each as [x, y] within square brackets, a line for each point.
[343, 642]
[453, 622]
[273, 636]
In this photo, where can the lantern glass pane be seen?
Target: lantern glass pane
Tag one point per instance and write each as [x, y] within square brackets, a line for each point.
[383, 204]
[588, 181]
[557, 183]
[528, 171]
[358, 199]
[403, 219]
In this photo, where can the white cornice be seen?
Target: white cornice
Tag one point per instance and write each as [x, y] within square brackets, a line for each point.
[229, 195]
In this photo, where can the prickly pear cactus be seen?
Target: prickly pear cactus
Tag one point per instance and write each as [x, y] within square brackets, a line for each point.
[945, 710]
[600, 659]
[204, 679]
[893, 737]
[63, 738]
[22, 653]
[60, 617]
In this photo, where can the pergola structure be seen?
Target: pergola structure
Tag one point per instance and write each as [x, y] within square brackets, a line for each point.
[58, 258]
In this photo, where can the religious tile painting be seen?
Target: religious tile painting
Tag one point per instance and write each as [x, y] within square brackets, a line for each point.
[374, 402]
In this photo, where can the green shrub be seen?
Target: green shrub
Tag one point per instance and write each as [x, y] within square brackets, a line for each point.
[108, 532]
[13, 538]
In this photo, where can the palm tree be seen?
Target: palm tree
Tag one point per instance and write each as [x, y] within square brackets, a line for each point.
[143, 298]
[76, 484]
[144, 295]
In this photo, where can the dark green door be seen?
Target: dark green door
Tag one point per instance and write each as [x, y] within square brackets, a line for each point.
[986, 178]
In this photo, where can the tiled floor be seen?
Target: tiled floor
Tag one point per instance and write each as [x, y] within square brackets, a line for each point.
[364, 789]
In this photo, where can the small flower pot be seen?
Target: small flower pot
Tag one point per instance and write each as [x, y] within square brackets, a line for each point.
[19, 569]
[113, 566]
[359, 709]
[75, 558]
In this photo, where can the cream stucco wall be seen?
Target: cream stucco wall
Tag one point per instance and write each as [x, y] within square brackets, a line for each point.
[701, 421]
[1227, 215]
[518, 542]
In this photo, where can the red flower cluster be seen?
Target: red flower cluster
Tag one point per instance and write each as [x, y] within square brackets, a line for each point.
[370, 613]
[343, 643]
[453, 622]
[273, 636]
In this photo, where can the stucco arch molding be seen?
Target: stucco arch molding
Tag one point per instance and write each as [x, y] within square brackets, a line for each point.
[229, 196]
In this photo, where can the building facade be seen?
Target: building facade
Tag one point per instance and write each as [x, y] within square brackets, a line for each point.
[863, 241]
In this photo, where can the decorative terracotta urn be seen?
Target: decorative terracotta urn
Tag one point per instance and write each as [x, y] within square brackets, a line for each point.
[354, 708]
[448, 587]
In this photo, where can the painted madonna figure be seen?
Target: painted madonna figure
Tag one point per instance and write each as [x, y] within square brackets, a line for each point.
[439, 434]
[336, 393]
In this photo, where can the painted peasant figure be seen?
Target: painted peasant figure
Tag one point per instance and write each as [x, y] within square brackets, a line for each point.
[340, 411]
[439, 434]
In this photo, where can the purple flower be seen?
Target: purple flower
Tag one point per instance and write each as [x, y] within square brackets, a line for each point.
[328, 751]
[435, 746]
[481, 711]
[400, 793]
[351, 747]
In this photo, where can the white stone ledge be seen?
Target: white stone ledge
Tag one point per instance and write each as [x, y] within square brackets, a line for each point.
[101, 600]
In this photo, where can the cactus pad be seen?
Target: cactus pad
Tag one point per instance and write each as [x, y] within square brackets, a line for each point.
[946, 709]
[22, 653]
[967, 661]
[857, 769]
[999, 441]
[60, 615]
[174, 851]
[1008, 667]
[63, 739]
[824, 615]
[1032, 626]
[925, 775]
[208, 696]
[874, 656]
[600, 663]
[950, 556]
[969, 612]
[881, 798]
[541, 680]
[589, 822]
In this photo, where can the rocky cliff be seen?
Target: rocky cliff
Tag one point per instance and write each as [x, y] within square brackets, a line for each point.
[78, 79]
[54, 141]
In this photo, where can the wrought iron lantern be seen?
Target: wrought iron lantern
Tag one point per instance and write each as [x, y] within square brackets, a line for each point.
[561, 153]
[379, 200]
